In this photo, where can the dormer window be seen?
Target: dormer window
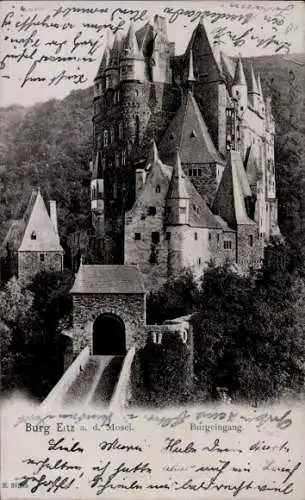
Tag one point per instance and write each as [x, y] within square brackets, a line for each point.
[193, 133]
[33, 235]
[158, 188]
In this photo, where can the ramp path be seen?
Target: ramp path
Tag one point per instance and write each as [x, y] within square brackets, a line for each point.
[95, 382]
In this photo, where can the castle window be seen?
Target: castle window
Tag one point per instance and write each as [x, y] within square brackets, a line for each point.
[171, 136]
[33, 235]
[195, 236]
[123, 157]
[105, 138]
[111, 134]
[199, 172]
[120, 130]
[195, 172]
[190, 172]
[155, 237]
[99, 195]
[158, 188]
[152, 210]
[168, 236]
[117, 159]
[227, 245]
[251, 240]
[137, 236]
[137, 130]
[199, 261]
[217, 237]
[210, 236]
[41, 257]
[168, 210]
[182, 210]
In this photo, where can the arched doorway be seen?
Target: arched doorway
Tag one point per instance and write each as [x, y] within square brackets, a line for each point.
[109, 335]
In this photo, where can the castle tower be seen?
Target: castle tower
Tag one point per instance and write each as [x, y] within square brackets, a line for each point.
[260, 96]
[132, 63]
[239, 87]
[97, 197]
[40, 247]
[112, 72]
[177, 217]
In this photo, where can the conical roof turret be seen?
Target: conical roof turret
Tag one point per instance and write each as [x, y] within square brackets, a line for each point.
[177, 188]
[239, 77]
[130, 47]
[104, 62]
[115, 53]
[253, 84]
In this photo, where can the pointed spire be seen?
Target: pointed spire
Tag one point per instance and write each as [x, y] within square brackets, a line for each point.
[115, 53]
[104, 62]
[259, 85]
[155, 152]
[177, 188]
[239, 77]
[191, 77]
[131, 48]
[253, 85]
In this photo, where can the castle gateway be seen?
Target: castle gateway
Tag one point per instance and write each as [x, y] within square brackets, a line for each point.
[108, 309]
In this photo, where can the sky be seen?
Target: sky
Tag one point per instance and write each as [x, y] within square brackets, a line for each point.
[37, 37]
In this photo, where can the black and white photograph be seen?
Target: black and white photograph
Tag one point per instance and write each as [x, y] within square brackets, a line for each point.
[152, 249]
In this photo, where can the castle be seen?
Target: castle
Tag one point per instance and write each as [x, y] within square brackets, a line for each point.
[183, 156]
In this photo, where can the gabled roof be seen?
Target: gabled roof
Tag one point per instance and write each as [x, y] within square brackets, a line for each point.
[233, 189]
[189, 134]
[38, 223]
[199, 213]
[108, 279]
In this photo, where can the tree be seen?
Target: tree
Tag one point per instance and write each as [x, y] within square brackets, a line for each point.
[177, 297]
[249, 333]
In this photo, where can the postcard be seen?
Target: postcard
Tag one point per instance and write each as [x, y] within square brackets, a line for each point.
[152, 263]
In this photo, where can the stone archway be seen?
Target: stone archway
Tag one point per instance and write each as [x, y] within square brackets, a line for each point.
[108, 335]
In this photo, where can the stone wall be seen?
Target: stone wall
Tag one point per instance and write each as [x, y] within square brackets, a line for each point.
[29, 263]
[249, 255]
[130, 308]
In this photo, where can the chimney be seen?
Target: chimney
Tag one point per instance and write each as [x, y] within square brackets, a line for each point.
[53, 215]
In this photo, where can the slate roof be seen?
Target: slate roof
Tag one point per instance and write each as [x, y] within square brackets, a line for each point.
[38, 221]
[189, 134]
[177, 187]
[108, 279]
[253, 171]
[239, 77]
[233, 189]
